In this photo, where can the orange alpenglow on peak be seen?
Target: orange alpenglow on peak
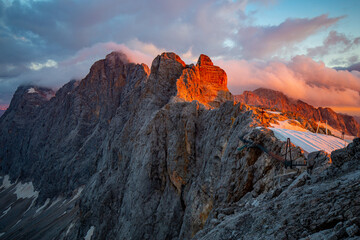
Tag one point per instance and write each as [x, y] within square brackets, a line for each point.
[174, 56]
[204, 61]
[205, 83]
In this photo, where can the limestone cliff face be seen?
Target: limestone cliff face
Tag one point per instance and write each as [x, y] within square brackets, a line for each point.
[127, 154]
[119, 134]
[204, 82]
[274, 99]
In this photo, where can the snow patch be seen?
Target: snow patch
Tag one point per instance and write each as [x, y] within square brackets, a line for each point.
[6, 182]
[78, 193]
[16, 223]
[287, 125]
[5, 212]
[337, 133]
[69, 228]
[25, 190]
[43, 206]
[1, 234]
[55, 202]
[31, 205]
[308, 141]
[255, 203]
[49, 95]
[89, 233]
[273, 112]
[32, 90]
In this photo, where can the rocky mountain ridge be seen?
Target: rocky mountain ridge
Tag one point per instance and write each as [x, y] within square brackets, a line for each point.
[274, 99]
[120, 124]
[357, 118]
[136, 153]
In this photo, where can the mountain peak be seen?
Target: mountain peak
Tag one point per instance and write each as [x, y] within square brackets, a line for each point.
[116, 57]
[172, 56]
[204, 61]
[269, 98]
[125, 155]
[28, 98]
[205, 83]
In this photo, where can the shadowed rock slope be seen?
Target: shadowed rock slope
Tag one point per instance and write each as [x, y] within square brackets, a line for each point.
[133, 153]
[321, 205]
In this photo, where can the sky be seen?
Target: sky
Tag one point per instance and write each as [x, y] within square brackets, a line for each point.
[286, 45]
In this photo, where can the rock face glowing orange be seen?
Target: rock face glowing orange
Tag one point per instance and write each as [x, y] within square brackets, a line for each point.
[203, 82]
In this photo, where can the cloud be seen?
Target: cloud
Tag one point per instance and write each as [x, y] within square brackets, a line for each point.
[91, 54]
[34, 31]
[40, 30]
[334, 42]
[261, 41]
[81, 32]
[353, 59]
[48, 64]
[59, 28]
[74, 67]
[301, 78]
[143, 48]
[74, 34]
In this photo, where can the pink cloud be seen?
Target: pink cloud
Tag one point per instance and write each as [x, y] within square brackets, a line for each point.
[316, 73]
[259, 41]
[77, 66]
[3, 106]
[333, 42]
[301, 78]
[99, 50]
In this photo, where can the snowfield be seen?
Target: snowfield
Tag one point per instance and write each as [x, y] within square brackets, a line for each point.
[309, 141]
[287, 125]
[337, 133]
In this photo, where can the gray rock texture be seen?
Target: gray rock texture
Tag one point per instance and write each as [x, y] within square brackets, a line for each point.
[324, 205]
[122, 153]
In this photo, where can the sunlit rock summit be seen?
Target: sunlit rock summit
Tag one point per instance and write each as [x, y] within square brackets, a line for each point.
[274, 99]
[136, 153]
[204, 82]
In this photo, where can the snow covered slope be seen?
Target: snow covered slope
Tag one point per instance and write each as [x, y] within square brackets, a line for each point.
[337, 133]
[287, 124]
[309, 141]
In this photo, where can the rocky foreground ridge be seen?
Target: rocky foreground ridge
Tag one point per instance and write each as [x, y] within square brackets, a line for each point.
[268, 98]
[136, 153]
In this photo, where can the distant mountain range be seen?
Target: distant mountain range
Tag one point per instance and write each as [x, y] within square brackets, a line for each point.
[2, 112]
[268, 98]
